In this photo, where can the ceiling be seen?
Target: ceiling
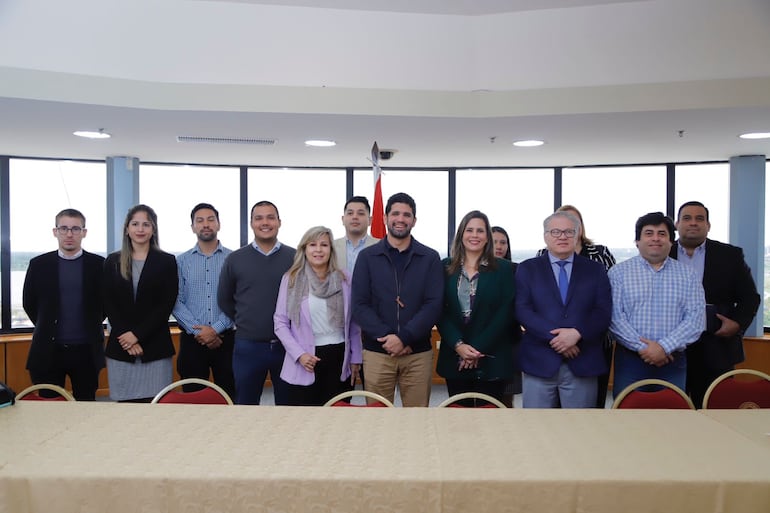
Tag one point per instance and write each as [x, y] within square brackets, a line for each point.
[445, 83]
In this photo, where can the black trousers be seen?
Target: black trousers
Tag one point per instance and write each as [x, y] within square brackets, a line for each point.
[495, 388]
[75, 361]
[198, 361]
[604, 379]
[327, 379]
[700, 374]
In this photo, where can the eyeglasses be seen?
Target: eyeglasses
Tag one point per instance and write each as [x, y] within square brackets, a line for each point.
[556, 233]
[64, 229]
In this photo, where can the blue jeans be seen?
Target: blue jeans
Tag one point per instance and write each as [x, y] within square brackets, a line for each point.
[629, 368]
[251, 362]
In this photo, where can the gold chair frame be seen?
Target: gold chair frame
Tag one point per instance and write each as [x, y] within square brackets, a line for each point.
[192, 381]
[359, 393]
[651, 381]
[730, 374]
[471, 395]
[45, 386]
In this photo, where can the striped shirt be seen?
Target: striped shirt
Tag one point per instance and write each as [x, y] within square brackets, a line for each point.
[666, 305]
[196, 303]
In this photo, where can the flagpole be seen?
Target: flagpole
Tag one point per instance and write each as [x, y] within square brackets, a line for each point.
[378, 222]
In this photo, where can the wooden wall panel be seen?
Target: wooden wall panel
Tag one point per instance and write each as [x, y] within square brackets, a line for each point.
[2, 363]
[17, 376]
[757, 354]
[13, 360]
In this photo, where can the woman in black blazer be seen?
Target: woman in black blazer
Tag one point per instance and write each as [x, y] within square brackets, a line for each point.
[140, 288]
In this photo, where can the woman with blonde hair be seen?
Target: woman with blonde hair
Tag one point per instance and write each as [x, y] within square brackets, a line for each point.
[313, 322]
[140, 289]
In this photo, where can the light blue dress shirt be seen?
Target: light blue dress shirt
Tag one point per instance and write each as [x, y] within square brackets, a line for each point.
[555, 266]
[259, 250]
[666, 305]
[698, 259]
[196, 303]
[353, 251]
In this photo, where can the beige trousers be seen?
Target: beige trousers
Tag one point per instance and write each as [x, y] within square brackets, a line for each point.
[412, 373]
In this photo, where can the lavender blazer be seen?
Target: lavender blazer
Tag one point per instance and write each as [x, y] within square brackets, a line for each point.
[299, 339]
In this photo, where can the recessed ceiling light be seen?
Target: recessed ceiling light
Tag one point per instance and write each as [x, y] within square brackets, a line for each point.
[528, 143]
[755, 135]
[320, 143]
[90, 134]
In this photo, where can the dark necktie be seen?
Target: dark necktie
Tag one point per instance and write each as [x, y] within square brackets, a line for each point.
[563, 280]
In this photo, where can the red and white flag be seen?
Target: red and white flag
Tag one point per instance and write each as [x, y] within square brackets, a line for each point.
[378, 223]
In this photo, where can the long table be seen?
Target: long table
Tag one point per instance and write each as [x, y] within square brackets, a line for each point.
[100, 457]
[752, 423]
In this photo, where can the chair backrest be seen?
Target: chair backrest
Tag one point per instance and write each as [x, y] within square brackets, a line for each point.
[487, 401]
[666, 396]
[29, 393]
[372, 400]
[210, 394]
[739, 389]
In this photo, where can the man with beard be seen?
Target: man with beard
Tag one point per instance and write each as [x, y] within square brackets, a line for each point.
[397, 299]
[206, 342]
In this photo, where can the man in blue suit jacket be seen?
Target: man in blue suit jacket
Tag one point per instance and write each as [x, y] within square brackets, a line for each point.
[564, 303]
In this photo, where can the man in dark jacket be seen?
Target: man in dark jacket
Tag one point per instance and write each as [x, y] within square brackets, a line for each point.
[63, 299]
[397, 299]
[731, 298]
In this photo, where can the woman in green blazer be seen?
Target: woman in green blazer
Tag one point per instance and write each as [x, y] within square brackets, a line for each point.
[477, 325]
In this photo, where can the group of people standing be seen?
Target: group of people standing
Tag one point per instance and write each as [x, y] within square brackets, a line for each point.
[677, 311]
[332, 311]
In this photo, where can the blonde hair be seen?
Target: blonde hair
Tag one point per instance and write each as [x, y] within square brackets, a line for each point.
[300, 259]
[127, 247]
[584, 240]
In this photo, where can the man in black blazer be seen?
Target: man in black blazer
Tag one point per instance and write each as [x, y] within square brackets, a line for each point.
[63, 299]
[731, 298]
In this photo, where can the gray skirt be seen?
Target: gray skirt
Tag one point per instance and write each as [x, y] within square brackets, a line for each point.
[138, 380]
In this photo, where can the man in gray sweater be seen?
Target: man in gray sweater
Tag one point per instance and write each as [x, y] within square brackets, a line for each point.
[248, 290]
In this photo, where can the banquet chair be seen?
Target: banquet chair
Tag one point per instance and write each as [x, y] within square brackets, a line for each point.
[30, 393]
[669, 397]
[455, 401]
[377, 401]
[729, 391]
[210, 394]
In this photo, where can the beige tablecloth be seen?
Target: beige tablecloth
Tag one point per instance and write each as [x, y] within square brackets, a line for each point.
[752, 423]
[106, 457]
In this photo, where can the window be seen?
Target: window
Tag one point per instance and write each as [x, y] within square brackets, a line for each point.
[172, 191]
[709, 184]
[611, 199]
[39, 189]
[430, 191]
[516, 199]
[304, 197]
